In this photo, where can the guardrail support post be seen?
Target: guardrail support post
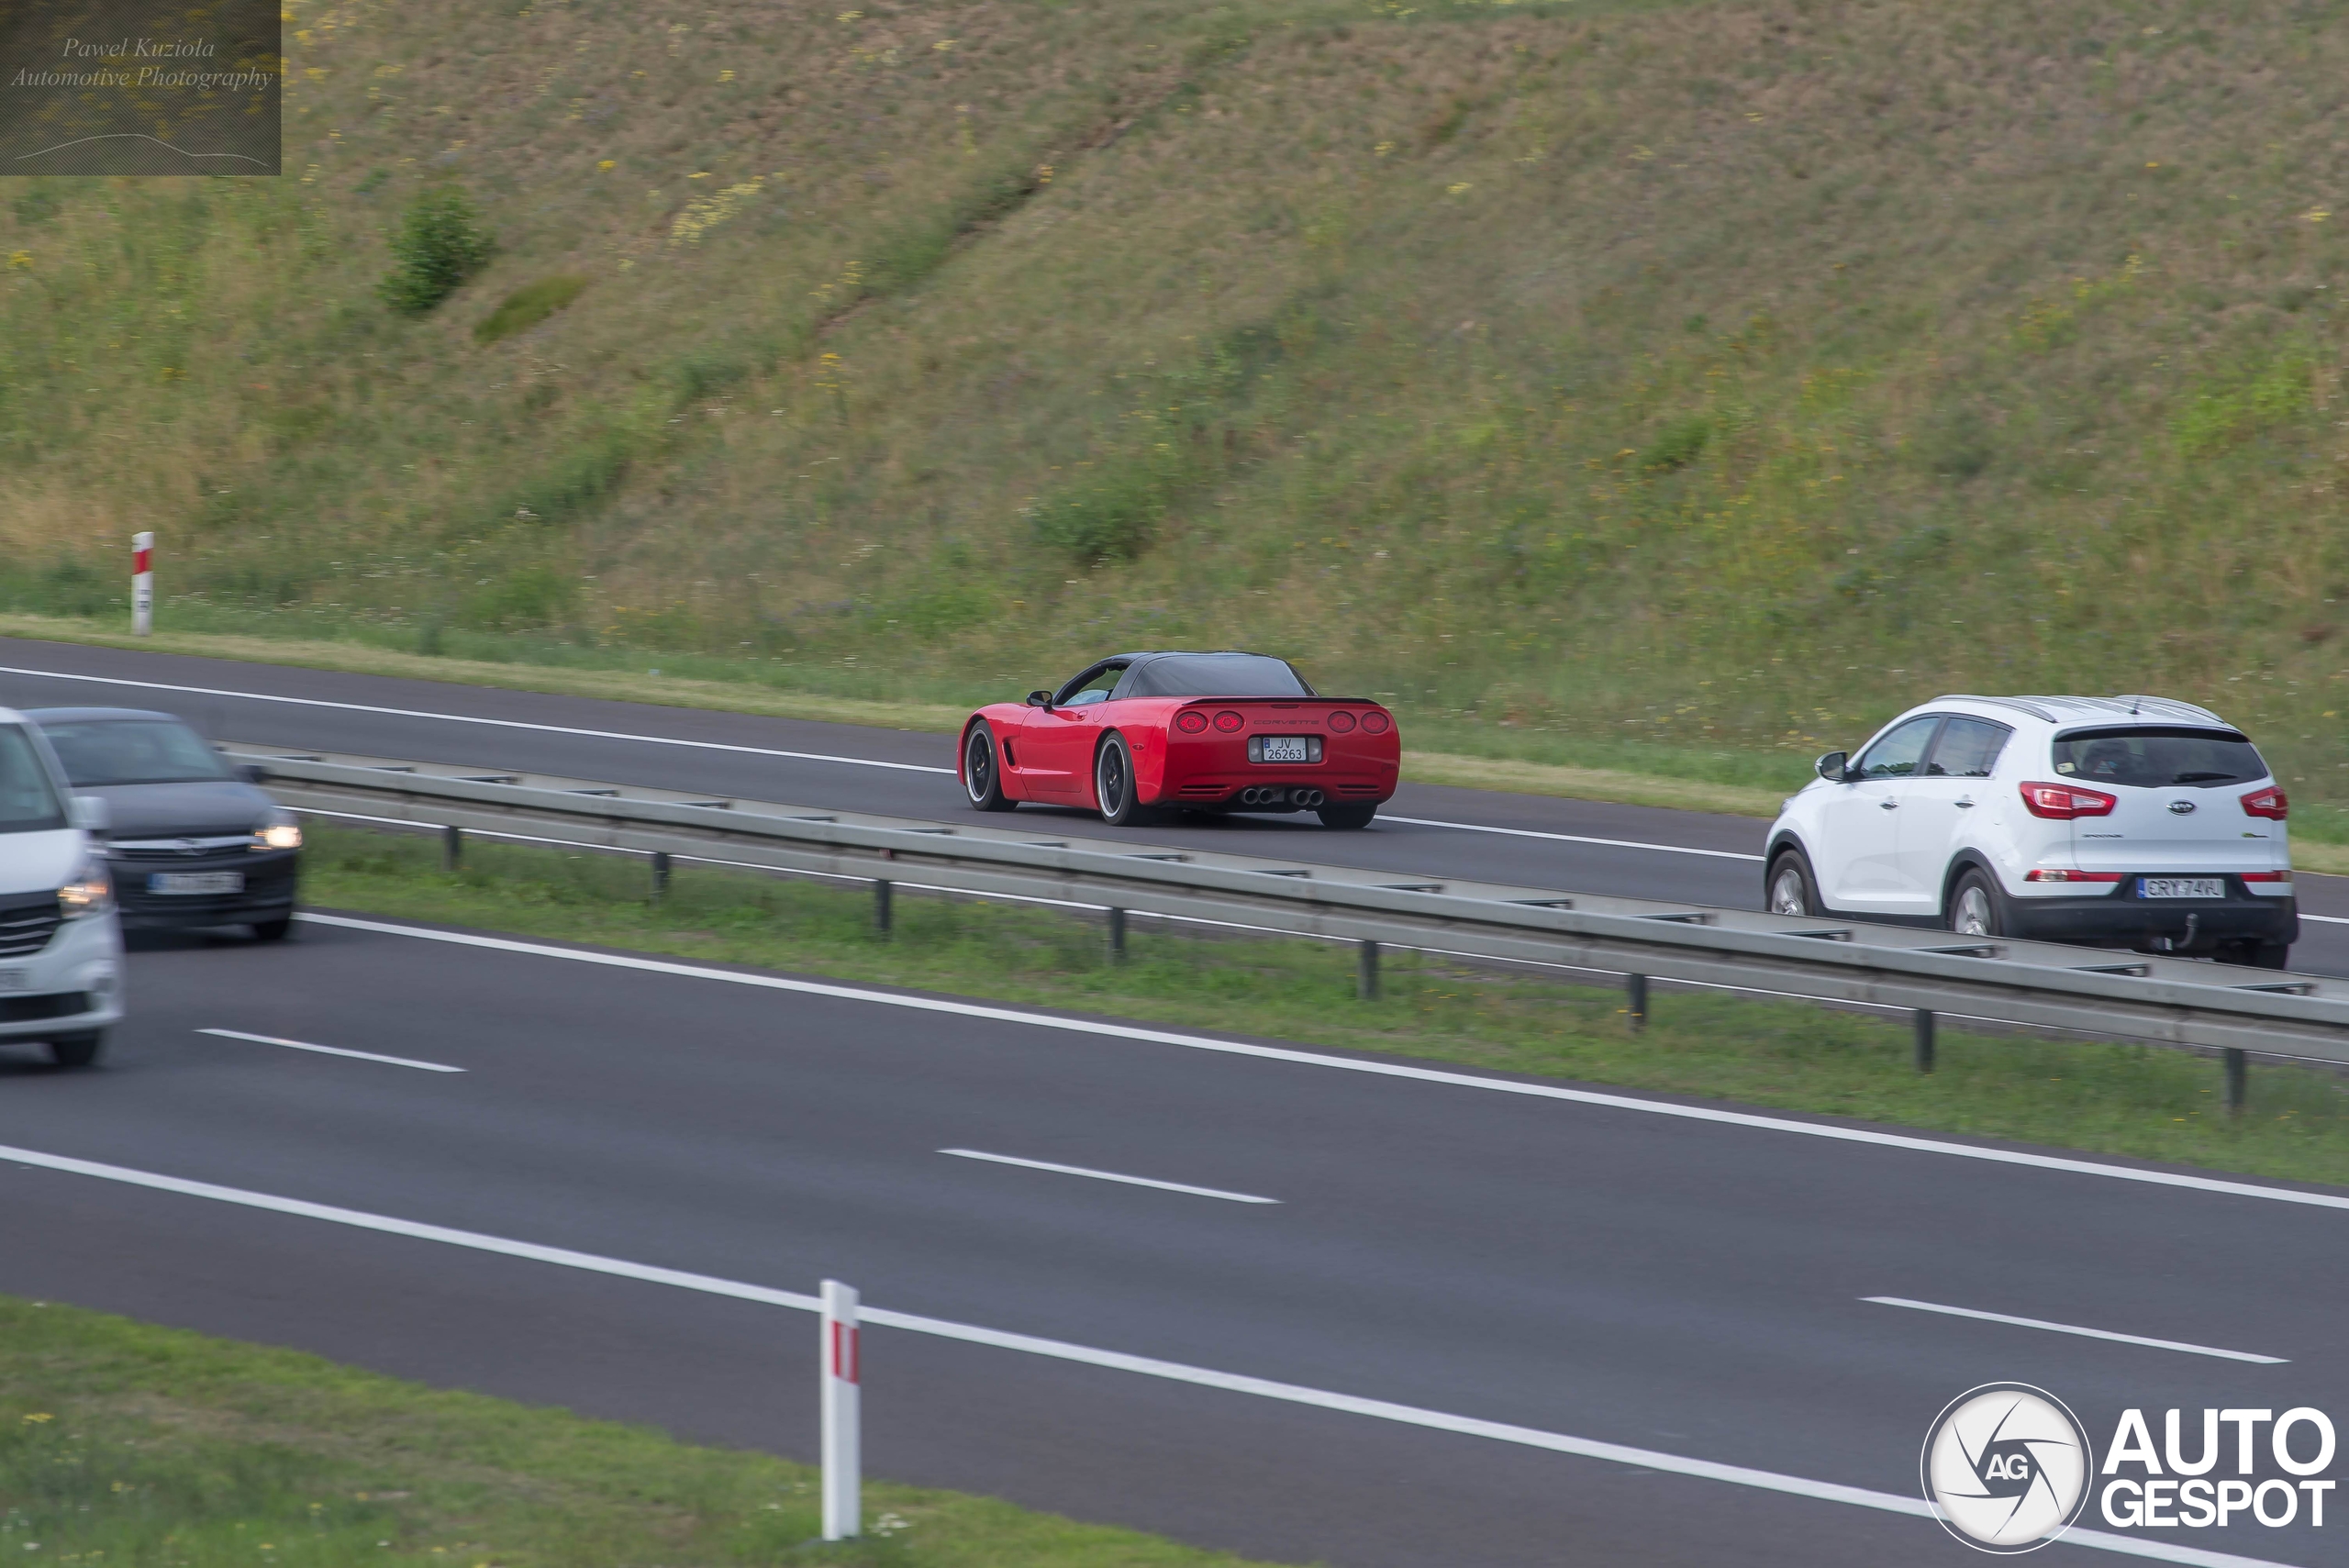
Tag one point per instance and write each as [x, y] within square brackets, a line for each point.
[1116, 936]
[452, 847]
[2238, 1080]
[1924, 1018]
[880, 908]
[842, 1438]
[661, 868]
[1635, 1000]
[1366, 970]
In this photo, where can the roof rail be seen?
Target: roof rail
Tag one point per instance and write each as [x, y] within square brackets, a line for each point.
[2029, 708]
[2170, 705]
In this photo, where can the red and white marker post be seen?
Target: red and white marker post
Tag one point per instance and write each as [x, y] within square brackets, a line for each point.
[842, 1445]
[142, 585]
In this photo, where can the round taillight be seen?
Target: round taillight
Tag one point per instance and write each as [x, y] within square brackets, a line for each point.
[1376, 723]
[1341, 722]
[1229, 721]
[1191, 721]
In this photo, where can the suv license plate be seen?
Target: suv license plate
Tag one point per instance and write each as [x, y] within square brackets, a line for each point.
[1281, 749]
[2181, 887]
[195, 882]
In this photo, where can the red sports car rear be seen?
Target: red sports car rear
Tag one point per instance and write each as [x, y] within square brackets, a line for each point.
[1141, 733]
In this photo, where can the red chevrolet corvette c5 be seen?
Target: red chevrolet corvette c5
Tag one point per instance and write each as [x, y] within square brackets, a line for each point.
[1143, 733]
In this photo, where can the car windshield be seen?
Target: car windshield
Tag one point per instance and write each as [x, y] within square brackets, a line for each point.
[1217, 675]
[132, 751]
[29, 801]
[2150, 757]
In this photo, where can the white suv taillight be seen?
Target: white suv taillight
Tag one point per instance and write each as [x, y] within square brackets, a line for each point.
[2268, 803]
[2060, 803]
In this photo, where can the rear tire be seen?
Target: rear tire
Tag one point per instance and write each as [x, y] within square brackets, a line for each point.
[1114, 785]
[983, 772]
[1347, 815]
[1977, 907]
[1789, 889]
[275, 930]
[77, 1050]
[2255, 955]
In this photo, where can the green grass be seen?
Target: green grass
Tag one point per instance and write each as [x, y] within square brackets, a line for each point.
[528, 305]
[124, 1444]
[1679, 381]
[2115, 1099]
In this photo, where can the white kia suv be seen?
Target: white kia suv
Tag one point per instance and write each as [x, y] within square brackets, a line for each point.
[2130, 821]
[61, 952]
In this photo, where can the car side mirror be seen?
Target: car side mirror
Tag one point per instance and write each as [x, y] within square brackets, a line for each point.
[1039, 699]
[251, 773]
[1831, 766]
[89, 813]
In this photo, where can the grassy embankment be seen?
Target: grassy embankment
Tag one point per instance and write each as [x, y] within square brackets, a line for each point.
[2117, 1099]
[125, 1444]
[1673, 388]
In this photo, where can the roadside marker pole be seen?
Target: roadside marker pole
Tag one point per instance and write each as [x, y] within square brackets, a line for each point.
[843, 1457]
[142, 585]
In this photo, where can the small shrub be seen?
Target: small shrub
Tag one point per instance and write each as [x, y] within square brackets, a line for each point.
[528, 305]
[440, 246]
[1679, 444]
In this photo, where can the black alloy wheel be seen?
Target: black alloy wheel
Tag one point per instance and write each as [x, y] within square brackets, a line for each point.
[981, 778]
[1113, 786]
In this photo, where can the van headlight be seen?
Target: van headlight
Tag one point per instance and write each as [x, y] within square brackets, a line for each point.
[280, 833]
[90, 891]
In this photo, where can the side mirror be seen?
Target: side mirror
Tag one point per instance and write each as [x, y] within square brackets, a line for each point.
[1039, 699]
[251, 773]
[1831, 766]
[89, 813]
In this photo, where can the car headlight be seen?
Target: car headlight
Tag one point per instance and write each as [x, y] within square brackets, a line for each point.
[90, 891]
[283, 834]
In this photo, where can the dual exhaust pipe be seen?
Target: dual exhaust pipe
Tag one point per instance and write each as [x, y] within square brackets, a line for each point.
[1306, 798]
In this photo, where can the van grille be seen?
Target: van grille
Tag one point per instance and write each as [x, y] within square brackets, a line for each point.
[26, 925]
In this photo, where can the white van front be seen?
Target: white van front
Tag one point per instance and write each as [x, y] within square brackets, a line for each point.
[61, 948]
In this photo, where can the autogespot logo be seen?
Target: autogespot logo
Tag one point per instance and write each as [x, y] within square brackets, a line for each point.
[2007, 1467]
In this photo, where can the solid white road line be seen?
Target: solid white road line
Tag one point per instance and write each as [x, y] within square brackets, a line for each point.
[2076, 1328]
[1108, 1177]
[2327, 919]
[1117, 1360]
[469, 719]
[334, 1051]
[1570, 838]
[1348, 1064]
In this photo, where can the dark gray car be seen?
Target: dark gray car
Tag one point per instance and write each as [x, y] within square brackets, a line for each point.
[191, 842]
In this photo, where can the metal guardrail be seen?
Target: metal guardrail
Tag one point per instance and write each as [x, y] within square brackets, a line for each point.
[2163, 1001]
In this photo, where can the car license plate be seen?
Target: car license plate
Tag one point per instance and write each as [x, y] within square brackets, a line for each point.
[195, 882]
[16, 980]
[1281, 749]
[2181, 887]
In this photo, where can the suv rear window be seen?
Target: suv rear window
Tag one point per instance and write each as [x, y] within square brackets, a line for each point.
[2150, 757]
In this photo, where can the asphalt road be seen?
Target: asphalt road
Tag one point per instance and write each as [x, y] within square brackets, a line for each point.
[1688, 1286]
[1428, 829]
